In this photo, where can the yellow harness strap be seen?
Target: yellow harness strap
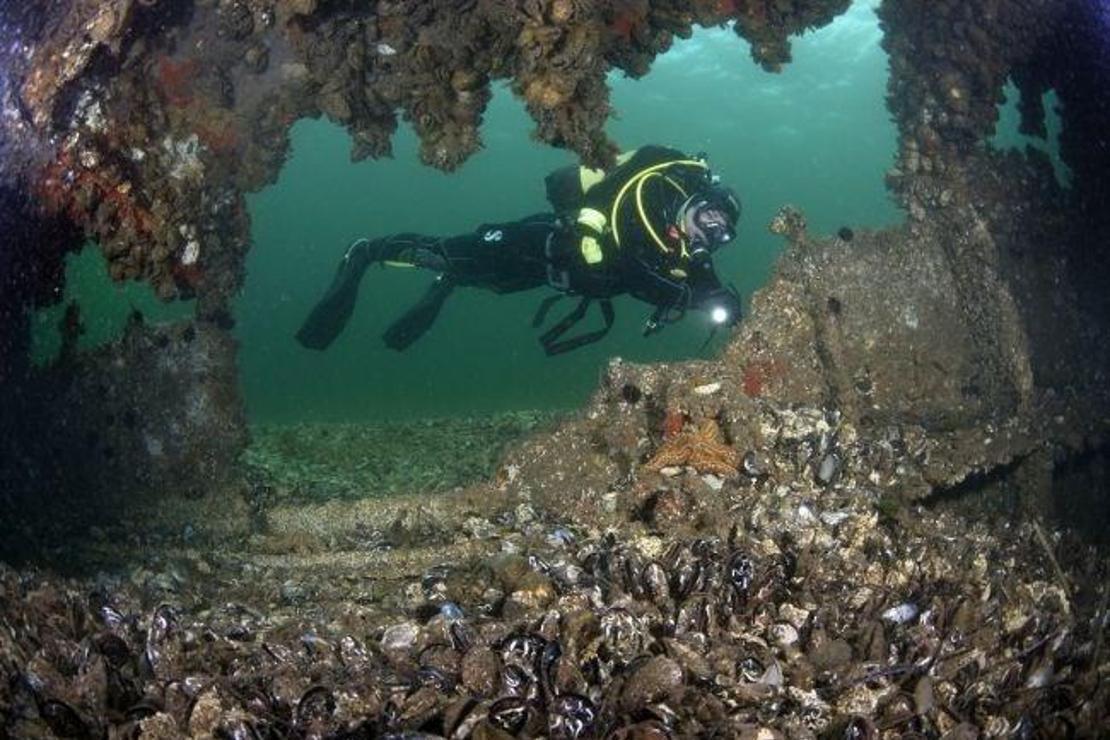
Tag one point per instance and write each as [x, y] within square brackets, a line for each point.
[592, 222]
[638, 180]
[647, 222]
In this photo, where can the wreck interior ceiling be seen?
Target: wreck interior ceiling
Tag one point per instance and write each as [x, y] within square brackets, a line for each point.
[145, 122]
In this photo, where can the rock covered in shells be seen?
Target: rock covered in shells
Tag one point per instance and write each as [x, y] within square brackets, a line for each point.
[787, 621]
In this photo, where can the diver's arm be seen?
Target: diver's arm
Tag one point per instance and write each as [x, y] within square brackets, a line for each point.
[670, 294]
[707, 294]
[702, 277]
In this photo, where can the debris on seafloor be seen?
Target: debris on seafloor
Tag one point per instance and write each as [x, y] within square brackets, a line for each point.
[823, 586]
[796, 615]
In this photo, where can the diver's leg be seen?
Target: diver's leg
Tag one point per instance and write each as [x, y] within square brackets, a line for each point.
[504, 257]
[500, 257]
[417, 250]
[428, 253]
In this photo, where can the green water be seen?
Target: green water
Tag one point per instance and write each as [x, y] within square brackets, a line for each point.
[818, 135]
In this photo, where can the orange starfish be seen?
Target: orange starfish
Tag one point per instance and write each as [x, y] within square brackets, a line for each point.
[703, 449]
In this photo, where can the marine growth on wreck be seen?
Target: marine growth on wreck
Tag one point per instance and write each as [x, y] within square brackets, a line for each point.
[879, 511]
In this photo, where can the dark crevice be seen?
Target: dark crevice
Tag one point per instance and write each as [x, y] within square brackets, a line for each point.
[973, 484]
[1081, 492]
[1075, 495]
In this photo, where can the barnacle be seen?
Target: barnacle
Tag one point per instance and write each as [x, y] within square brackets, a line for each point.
[549, 91]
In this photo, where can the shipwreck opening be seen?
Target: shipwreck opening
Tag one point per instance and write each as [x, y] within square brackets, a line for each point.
[816, 134]
[94, 310]
[166, 201]
[1014, 131]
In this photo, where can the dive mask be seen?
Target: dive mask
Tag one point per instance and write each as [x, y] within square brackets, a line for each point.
[710, 217]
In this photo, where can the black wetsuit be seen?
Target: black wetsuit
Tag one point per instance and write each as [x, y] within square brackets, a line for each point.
[504, 258]
[546, 249]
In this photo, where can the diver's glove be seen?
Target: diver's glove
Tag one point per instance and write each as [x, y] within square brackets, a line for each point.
[331, 314]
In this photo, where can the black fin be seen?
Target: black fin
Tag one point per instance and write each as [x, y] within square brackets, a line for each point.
[417, 320]
[331, 314]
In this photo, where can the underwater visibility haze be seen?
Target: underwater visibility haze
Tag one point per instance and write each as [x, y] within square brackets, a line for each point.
[817, 134]
[874, 506]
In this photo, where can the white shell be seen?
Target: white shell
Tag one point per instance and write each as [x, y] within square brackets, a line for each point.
[901, 614]
[400, 636]
[805, 514]
[191, 253]
[784, 633]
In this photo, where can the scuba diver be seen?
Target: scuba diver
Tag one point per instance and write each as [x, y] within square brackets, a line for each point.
[648, 228]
